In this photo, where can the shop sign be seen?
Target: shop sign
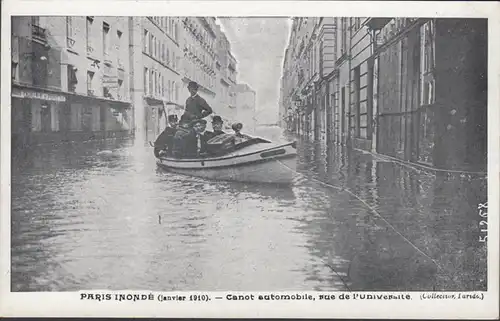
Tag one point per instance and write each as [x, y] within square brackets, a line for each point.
[19, 93]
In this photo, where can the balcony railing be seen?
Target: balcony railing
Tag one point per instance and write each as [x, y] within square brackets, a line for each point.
[39, 33]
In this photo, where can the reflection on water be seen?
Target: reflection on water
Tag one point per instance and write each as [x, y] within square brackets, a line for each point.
[114, 221]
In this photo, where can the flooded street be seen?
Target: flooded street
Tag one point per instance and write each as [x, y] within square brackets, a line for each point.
[351, 221]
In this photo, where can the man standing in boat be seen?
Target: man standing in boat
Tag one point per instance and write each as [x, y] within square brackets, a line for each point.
[196, 106]
[164, 142]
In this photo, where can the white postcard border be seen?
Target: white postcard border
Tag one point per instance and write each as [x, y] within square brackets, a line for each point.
[69, 304]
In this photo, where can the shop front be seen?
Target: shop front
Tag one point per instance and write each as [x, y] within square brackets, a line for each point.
[89, 118]
[156, 115]
[35, 115]
[430, 95]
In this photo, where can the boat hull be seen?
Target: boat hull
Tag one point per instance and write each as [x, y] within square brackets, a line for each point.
[274, 165]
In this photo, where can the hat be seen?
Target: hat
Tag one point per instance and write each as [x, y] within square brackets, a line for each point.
[237, 126]
[217, 119]
[193, 85]
[198, 121]
[172, 118]
[185, 119]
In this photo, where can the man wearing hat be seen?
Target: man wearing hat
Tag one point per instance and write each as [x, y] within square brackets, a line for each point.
[190, 141]
[164, 142]
[217, 124]
[196, 106]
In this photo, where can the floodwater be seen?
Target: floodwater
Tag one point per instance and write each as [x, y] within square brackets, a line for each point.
[351, 221]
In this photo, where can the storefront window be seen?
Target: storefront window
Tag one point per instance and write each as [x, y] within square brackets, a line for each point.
[426, 137]
[36, 116]
[427, 93]
[427, 63]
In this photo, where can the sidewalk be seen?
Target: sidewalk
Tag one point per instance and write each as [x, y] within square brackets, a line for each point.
[436, 213]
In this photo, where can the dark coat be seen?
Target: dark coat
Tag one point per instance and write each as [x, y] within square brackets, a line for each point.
[165, 141]
[186, 144]
[197, 107]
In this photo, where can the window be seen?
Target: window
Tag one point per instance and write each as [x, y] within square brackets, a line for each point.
[90, 78]
[176, 32]
[356, 24]
[343, 48]
[105, 38]
[151, 83]
[159, 83]
[168, 57]
[150, 46]
[156, 83]
[176, 91]
[119, 40]
[145, 41]
[163, 52]
[158, 47]
[154, 47]
[427, 63]
[88, 31]
[120, 89]
[14, 71]
[70, 32]
[162, 85]
[357, 104]
[71, 78]
[35, 21]
[146, 81]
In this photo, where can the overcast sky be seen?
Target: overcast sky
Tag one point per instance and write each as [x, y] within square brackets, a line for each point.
[259, 44]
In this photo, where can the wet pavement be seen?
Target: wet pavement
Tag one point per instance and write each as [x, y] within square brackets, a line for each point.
[351, 221]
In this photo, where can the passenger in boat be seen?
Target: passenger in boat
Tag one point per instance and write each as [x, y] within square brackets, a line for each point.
[180, 144]
[196, 106]
[237, 132]
[190, 141]
[164, 143]
[202, 136]
[217, 124]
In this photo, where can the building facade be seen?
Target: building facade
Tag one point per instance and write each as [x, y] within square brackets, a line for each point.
[86, 77]
[245, 107]
[226, 66]
[70, 79]
[308, 71]
[157, 71]
[200, 56]
[386, 85]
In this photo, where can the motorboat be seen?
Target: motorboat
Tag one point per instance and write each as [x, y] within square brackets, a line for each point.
[250, 159]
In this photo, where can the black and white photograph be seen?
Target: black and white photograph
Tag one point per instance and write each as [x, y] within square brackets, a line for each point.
[299, 154]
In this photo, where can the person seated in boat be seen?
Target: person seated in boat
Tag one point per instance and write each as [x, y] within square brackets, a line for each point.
[196, 106]
[183, 130]
[164, 143]
[237, 133]
[190, 140]
[217, 125]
